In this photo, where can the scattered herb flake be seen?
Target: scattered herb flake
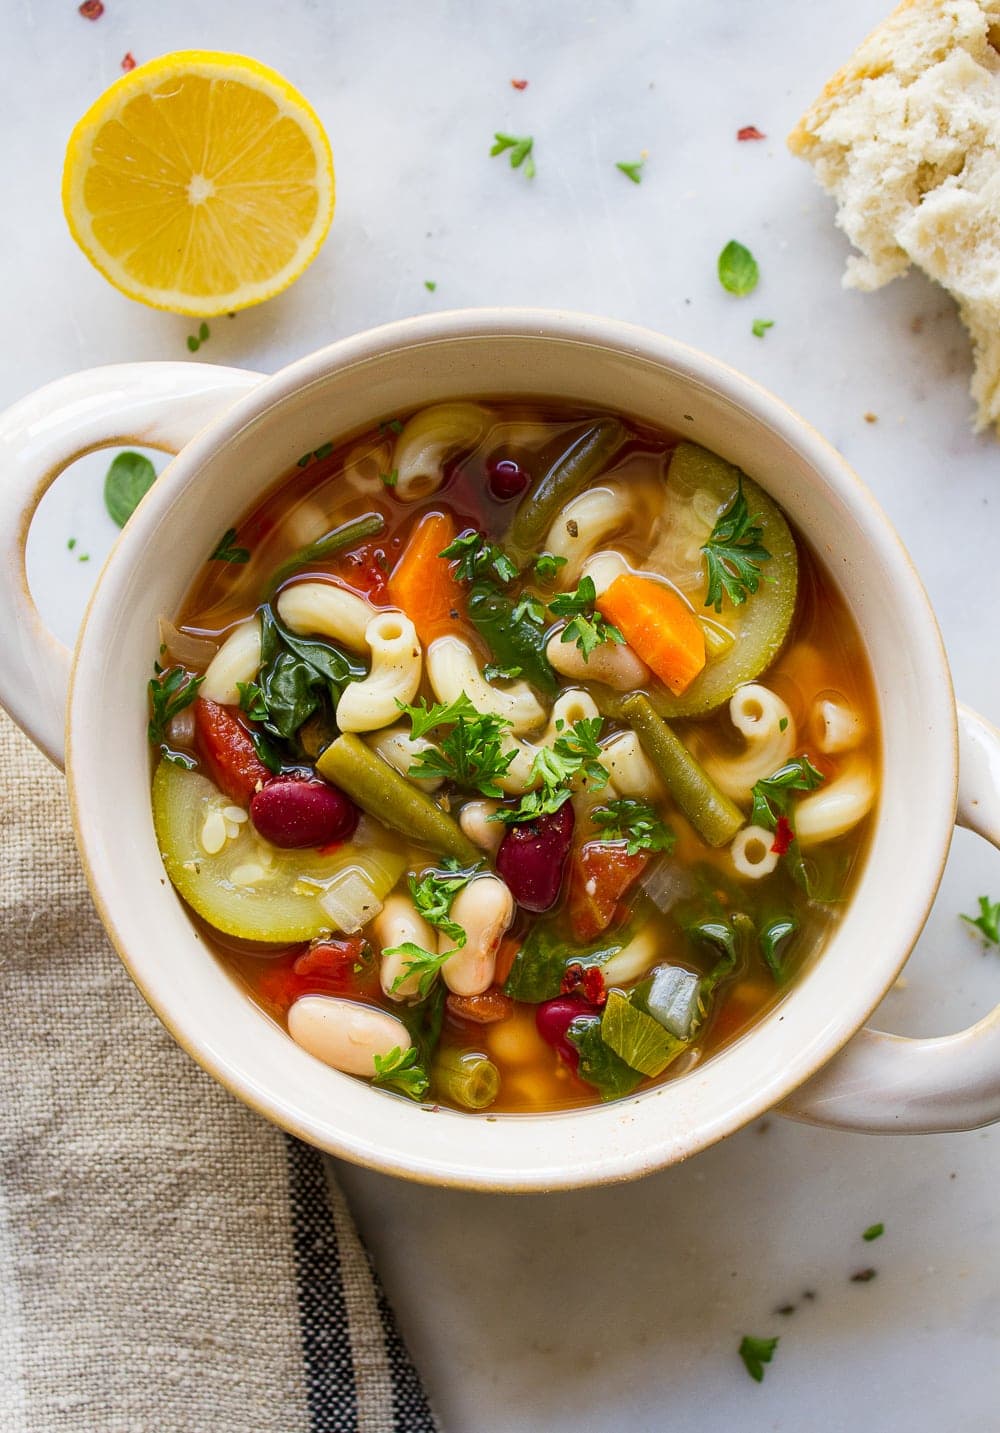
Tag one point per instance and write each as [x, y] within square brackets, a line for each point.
[755, 1352]
[631, 171]
[874, 1231]
[783, 724]
[430, 285]
[750, 131]
[193, 343]
[635, 822]
[204, 331]
[987, 922]
[546, 565]
[738, 271]
[424, 718]
[71, 544]
[128, 61]
[169, 693]
[574, 752]
[227, 552]
[519, 150]
[84, 557]
[390, 479]
[478, 559]
[323, 451]
[127, 481]
[390, 425]
[760, 326]
[733, 554]
[586, 627]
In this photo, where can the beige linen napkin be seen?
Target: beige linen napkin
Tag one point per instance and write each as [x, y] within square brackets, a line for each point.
[168, 1260]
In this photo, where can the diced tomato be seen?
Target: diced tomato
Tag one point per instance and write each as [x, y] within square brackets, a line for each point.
[225, 747]
[485, 1009]
[365, 570]
[331, 967]
[602, 873]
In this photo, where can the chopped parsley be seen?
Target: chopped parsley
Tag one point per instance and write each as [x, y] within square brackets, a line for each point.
[424, 964]
[874, 1231]
[733, 554]
[635, 822]
[987, 922]
[631, 171]
[401, 1070]
[755, 1352]
[573, 753]
[227, 551]
[424, 718]
[390, 425]
[760, 326]
[738, 271]
[430, 285]
[252, 701]
[772, 796]
[529, 608]
[546, 565]
[71, 544]
[195, 340]
[518, 149]
[434, 892]
[586, 627]
[471, 754]
[169, 693]
[390, 479]
[478, 558]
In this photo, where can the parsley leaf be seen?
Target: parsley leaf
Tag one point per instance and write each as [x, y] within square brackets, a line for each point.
[471, 754]
[529, 609]
[987, 922]
[252, 701]
[401, 1070]
[573, 753]
[738, 271]
[760, 326]
[424, 718]
[635, 822]
[434, 893]
[733, 554]
[424, 964]
[772, 796]
[631, 171]
[519, 151]
[478, 558]
[755, 1352]
[169, 693]
[586, 627]
[546, 565]
[874, 1231]
[227, 551]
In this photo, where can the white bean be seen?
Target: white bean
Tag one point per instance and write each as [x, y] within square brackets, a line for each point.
[481, 831]
[345, 1034]
[400, 750]
[484, 909]
[237, 660]
[397, 922]
[428, 440]
[613, 663]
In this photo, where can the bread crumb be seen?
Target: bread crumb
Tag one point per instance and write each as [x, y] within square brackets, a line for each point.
[871, 417]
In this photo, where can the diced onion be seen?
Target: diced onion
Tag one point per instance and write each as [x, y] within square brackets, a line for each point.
[350, 901]
[665, 883]
[184, 647]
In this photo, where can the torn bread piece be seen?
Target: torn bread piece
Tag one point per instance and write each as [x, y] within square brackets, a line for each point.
[906, 137]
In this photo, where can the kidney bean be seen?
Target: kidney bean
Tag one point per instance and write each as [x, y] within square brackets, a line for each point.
[291, 813]
[532, 858]
[554, 1017]
[506, 478]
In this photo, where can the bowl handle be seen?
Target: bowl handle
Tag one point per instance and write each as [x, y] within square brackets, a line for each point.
[155, 405]
[886, 1084]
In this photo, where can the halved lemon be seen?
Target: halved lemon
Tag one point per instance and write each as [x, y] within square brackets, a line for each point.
[199, 182]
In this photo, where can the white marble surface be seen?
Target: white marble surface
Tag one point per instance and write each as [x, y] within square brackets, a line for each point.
[617, 1308]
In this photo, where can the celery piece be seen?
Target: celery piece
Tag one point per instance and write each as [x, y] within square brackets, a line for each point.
[636, 1038]
[672, 1000]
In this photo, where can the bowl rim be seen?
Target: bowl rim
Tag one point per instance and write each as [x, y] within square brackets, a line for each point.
[762, 408]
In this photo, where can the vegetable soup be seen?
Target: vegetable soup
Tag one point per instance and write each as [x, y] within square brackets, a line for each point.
[514, 757]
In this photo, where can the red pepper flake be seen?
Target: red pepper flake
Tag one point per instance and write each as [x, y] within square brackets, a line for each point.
[520, 84]
[593, 986]
[783, 836]
[572, 979]
[92, 9]
[750, 131]
[128, 61]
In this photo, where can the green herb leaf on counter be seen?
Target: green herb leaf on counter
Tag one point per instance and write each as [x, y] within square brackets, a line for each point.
[195, 341]
[586, 627]
[738, 271]
[874, 1231]
[519, 149]
[635, 822]
[424, 718]
[631, 171]
[424, 964]
[84, 557]
[401, 1070]
[760, 326]
[126, 483]
[434, 892]
[71, 544]
[169, 693]
[987, 922]
[479, 559]
[430, 285]
[733, 554]
[227, 551]
[755, 1352]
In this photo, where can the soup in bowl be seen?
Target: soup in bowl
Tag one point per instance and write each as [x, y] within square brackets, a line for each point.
[679, 930]
[514, 756]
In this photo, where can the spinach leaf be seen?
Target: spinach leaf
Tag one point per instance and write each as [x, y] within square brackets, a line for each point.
[298, 675]
[774, 936]
[126, 483]
[540, 964]
[513, 634]
[599, 1065]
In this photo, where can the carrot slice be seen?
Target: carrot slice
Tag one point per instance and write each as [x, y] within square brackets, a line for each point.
[657, 626]
[421, 582]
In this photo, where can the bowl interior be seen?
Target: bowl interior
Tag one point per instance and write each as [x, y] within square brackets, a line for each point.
[349, 386]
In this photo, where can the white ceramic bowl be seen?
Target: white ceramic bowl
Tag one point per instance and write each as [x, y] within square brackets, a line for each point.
[235, 433]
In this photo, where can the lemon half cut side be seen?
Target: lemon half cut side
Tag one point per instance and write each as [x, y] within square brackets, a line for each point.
[200, 182]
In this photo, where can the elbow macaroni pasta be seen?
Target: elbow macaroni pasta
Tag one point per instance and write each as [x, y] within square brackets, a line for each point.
[752, 852]
[453, 669]
[237, 660]
[836, 725]
[835, 808]
[329, 610]
[394, 677]
[769, 730]
[630, 770]
[428, 440]
[583, 525]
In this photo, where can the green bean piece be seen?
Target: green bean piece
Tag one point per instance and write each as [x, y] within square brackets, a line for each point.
[466, 1078]
[567, 476]
[711, 813]
[378, 789]
[347, 535]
